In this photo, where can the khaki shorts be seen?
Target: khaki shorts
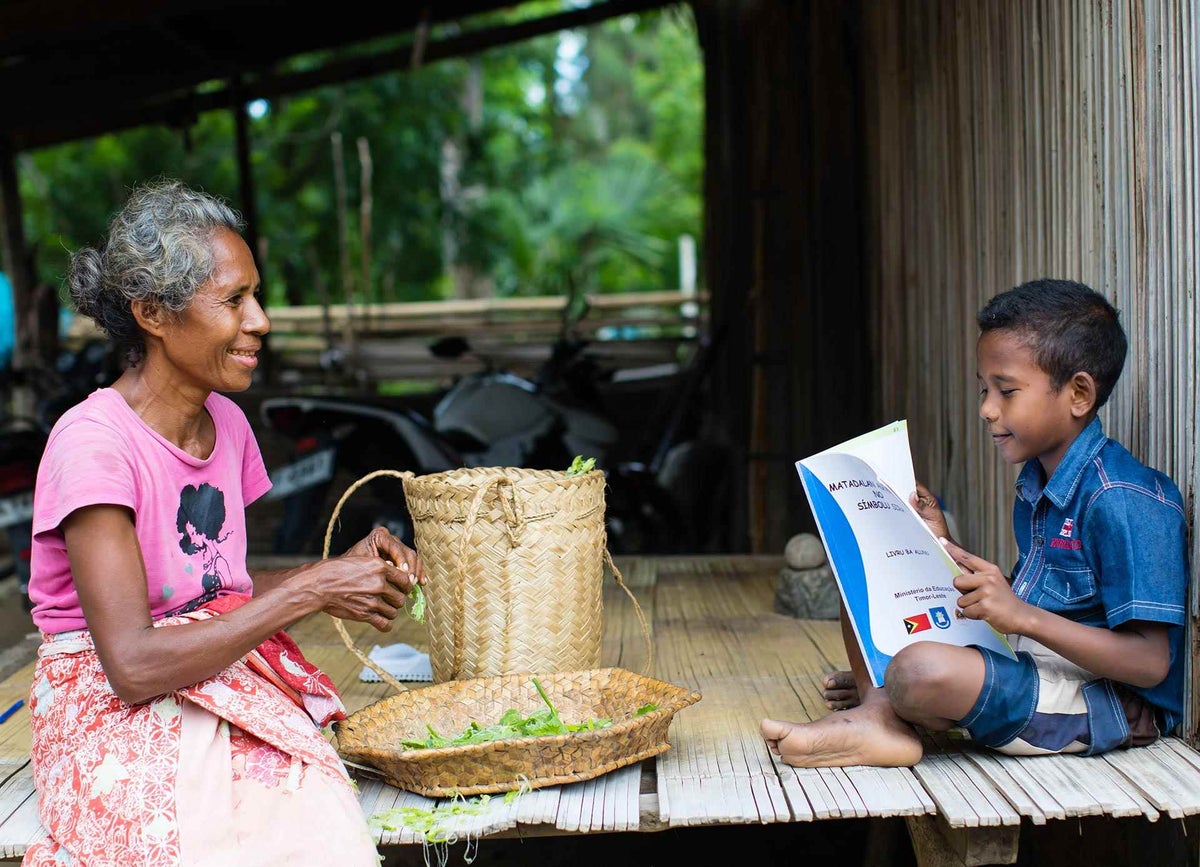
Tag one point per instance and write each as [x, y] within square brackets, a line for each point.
[1041, 704]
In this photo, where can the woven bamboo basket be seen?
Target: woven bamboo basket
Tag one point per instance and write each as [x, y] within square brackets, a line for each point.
[515, 560]
[372, 736]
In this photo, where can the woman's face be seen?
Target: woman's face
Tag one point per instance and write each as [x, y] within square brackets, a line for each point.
[215, 342]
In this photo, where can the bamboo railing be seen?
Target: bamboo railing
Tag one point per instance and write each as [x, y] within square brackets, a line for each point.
[1015, 139]
[391, 341]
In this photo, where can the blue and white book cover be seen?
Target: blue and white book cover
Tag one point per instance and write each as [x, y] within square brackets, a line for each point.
[896, 580]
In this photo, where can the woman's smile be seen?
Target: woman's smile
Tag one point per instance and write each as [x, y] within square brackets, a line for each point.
[248, 357]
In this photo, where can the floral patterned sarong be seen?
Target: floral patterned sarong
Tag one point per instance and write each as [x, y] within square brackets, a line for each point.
[229, 771]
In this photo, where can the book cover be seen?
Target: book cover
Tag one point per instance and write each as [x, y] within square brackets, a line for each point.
[896, 580]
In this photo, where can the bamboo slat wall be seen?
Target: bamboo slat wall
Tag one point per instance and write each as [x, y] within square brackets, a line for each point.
[1015, 139]
[783, 156]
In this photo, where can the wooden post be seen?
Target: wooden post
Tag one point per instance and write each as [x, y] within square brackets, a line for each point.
[364, 218]
[759, 435]
[783, 196]
[241, 124]
[420, 40]
[16, 265]
[936, 844]
[330, 361]
[339, 189]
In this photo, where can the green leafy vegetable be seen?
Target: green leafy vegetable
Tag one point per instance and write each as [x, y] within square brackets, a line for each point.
[523, 788]
[646, 708]
[511, 725]
[436, 825]
[417, 610]
[579, 466]
[431, 825]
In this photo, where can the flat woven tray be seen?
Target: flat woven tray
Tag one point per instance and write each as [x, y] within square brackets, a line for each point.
[372, 735]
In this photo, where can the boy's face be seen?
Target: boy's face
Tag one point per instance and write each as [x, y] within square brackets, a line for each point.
[1026, 416]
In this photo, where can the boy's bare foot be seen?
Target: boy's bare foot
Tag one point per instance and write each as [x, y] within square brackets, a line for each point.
[870, 734]
[839, 690]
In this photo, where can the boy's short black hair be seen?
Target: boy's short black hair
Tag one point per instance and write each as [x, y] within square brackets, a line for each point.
[1069, 327]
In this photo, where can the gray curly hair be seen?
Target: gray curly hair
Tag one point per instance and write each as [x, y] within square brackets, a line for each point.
[159, 249]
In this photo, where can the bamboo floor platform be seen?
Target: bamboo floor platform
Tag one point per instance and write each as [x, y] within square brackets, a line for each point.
[714, 630]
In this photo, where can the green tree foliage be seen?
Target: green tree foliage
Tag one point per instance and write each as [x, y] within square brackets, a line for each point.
[579, 174]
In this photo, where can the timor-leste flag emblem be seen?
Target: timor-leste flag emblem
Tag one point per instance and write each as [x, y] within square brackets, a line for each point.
[917, 623]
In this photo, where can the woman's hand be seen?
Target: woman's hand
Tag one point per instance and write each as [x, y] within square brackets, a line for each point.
[380, 543]
[986, 593]
[370, 581]
[927, 507]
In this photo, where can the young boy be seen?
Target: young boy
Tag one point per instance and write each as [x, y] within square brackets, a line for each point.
[1095, 605]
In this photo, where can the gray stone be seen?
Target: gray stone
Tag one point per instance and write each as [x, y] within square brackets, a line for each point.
[808, 594]
[804, 551]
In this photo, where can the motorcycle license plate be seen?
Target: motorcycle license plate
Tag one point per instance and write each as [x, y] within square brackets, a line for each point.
[15, 509]
[303, 474]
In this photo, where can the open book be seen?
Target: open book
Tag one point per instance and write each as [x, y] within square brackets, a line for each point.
[896, 580]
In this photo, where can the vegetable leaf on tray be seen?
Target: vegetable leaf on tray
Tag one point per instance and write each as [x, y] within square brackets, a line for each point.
[511, 725]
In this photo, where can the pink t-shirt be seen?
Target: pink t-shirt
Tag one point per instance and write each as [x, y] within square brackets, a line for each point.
[189, 513]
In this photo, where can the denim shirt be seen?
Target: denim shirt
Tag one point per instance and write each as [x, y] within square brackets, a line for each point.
[1103, 542]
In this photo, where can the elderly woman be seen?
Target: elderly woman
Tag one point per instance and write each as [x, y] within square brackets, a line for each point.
[174, 723]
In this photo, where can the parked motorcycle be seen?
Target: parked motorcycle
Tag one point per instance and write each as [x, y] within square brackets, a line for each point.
[488, 418]
[21, 446]
[672, 495]
[358, 435]
[494, 418]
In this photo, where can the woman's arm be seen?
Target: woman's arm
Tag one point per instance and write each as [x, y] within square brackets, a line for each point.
[142, 662]
[269, 579]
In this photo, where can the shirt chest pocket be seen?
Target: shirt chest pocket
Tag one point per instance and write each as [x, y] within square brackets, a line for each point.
[1069, 586]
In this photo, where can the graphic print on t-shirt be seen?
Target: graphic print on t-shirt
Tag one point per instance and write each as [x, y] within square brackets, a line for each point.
[200, 518]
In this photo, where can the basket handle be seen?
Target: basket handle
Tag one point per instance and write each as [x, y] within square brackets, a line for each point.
[337, 623]
[636, 608]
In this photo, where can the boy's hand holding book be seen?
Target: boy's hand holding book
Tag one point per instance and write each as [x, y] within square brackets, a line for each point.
[926, 505]
[893, 572]
[986, 593]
